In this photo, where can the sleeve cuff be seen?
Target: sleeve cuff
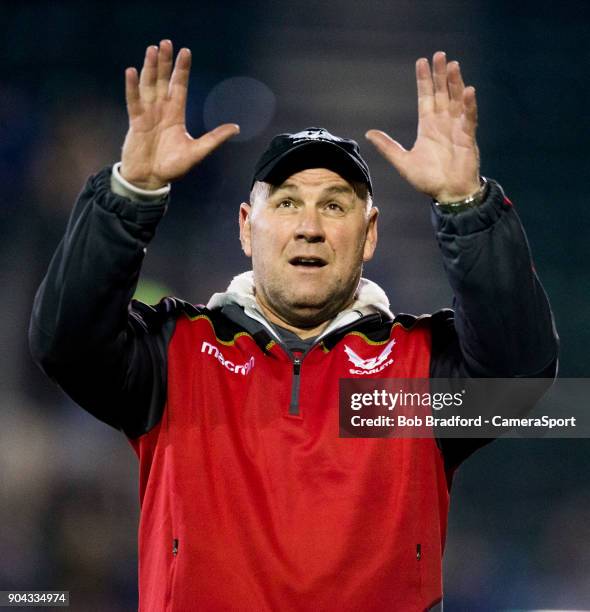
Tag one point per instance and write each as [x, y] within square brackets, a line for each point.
[476, 219]
[144, 213]
[124, 188]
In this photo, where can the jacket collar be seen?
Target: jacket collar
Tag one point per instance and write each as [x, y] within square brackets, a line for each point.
[369, 299]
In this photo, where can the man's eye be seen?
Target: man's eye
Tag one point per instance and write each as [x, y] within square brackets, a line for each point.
[335, 206]
[285, 204]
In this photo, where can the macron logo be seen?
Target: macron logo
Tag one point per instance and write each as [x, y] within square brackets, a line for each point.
[243, 369]
[371, 365]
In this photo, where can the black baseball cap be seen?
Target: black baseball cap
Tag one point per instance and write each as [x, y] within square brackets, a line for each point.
[311, 148]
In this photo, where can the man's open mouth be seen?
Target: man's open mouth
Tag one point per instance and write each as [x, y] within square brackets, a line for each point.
[308, 262]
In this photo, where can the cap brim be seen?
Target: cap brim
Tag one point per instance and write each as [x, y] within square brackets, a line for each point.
[313, 154]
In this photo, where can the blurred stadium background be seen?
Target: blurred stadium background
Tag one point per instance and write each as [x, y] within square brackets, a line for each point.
[519, 527]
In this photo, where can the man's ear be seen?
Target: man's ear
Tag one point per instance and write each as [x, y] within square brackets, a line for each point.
[245, 231]
[371, 235]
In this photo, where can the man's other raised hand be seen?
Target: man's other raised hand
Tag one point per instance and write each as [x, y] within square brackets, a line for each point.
[158, 149]
[444, 161]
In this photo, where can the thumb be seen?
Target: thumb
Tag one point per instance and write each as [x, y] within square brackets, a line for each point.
[392, 150]
[207, 143]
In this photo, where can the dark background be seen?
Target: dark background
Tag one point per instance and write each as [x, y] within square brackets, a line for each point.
[519, 527]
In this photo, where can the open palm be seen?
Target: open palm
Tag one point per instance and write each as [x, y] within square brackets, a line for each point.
[444, 161]
[158, 149]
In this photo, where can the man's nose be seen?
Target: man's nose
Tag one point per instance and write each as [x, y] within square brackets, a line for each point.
[309, 226]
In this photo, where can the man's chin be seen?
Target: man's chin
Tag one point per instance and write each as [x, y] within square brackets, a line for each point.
[310, 313]
[306, 307]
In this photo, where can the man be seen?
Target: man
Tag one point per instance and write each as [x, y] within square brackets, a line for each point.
[249, 498]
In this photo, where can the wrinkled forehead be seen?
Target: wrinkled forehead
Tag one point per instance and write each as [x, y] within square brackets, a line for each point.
[313, 182]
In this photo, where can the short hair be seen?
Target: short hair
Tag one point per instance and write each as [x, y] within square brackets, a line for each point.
[261, 191]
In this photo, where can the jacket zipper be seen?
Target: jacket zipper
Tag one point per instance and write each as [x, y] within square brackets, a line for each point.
[297, 361]
[171, 574]
[294, 405]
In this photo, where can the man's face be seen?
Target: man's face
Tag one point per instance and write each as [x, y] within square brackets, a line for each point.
[308, 240]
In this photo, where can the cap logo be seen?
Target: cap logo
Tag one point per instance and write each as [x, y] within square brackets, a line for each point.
[308, 135]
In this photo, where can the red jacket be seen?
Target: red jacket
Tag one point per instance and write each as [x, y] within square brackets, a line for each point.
[246, 506]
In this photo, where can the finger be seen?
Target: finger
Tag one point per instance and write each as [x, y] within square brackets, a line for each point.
[132, 92]
[179, 79]
[425, 87]
[164, 69]
[439, 72]
[456, 88]
[207, 143]
[460, 76]
[147, 78]
[469, 119]
[389, 148]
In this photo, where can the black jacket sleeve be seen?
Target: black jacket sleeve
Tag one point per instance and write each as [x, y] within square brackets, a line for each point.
[84, 332]
[501, 325]
[502, 317]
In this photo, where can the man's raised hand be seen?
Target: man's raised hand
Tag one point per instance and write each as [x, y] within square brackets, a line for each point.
[158, 149]
[444, 161]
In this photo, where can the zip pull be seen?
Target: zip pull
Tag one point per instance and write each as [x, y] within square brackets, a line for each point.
[175, 546]
[294, 406]
[418, 551]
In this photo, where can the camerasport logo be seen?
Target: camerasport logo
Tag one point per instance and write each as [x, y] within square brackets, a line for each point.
[243, 368]
[372, 365]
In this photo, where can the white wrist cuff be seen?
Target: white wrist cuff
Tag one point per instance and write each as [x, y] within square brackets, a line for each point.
[143, 194]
